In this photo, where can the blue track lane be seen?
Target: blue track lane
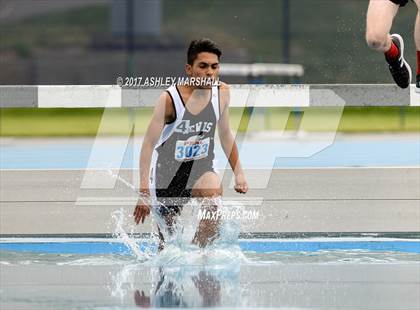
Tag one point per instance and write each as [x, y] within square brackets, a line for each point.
[392, 152]
[256, 246]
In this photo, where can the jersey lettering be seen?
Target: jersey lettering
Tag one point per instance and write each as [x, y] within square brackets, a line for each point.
[185, 127]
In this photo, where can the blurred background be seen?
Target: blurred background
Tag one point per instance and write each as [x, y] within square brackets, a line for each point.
[46, 42]
[91, 41]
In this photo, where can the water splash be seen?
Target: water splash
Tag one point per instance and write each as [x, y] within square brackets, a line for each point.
[181, 236]
[179, 246]
[119, 218]
[182, 274]
[122, 281]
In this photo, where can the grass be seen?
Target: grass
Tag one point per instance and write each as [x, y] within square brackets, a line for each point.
[26, 122]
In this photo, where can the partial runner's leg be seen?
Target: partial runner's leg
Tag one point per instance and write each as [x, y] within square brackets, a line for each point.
[380, 15]
[207, 188]
[417, 42]
[168, 214]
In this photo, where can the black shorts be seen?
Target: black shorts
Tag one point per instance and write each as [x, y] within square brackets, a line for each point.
[179, 190]
[400, 2]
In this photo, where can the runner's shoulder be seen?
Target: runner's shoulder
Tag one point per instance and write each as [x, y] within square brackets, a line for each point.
[167, 101]
[224, 86]
[224, 95]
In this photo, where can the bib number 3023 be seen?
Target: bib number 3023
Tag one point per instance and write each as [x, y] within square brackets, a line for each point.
[192, 149]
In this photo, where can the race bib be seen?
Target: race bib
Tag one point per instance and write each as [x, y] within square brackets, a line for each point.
[192, 149]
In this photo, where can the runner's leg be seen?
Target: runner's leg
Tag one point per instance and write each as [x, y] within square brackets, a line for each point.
[380, 16]
[208, 188]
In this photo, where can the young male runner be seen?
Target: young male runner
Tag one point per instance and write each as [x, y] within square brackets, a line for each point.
[177, 154]
[380, 16]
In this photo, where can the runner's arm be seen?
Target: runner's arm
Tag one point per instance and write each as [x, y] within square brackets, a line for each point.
[228, 141]
[160, 114]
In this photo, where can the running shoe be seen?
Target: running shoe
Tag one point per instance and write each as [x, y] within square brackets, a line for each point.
[400, 70]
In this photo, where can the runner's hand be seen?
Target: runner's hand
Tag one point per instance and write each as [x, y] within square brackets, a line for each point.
[240, 184]
[142, 209]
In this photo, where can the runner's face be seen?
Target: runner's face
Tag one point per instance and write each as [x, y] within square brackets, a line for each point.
[206, 65]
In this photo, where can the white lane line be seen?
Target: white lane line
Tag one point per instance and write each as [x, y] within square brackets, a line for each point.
[280, 240]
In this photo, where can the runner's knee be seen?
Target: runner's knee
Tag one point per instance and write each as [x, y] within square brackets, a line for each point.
[376, 41]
